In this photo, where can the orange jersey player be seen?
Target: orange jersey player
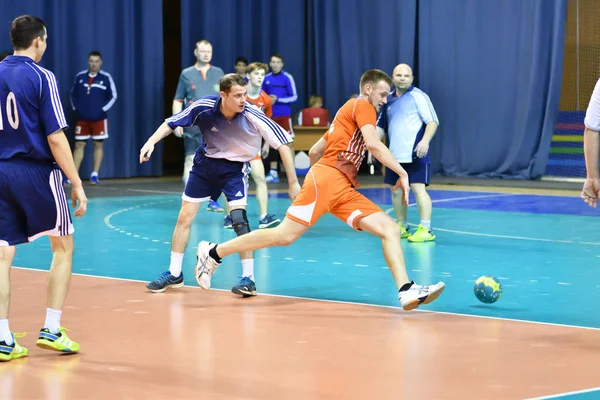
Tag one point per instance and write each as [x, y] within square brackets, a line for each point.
[330, 187]
[263, 101]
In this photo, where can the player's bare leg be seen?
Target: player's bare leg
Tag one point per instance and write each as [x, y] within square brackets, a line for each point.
[239, 221]
[173, 277]
[98, 156]
[382, 226]
[78, 153]
[7, 255]
[9, 348]
[52, 336]
[257, 170]
[423, 233]
[210, 255]
[410, 295]
[401, 211]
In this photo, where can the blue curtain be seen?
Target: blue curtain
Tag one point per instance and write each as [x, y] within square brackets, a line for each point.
[493, 70]
[347, 37]
[252, 29]
[128, 33]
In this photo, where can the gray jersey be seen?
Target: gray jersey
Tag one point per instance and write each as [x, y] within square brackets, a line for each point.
[193, 84]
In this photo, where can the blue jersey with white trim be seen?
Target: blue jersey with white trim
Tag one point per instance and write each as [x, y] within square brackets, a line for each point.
[30, 110]
[238, 139]
[93, 95]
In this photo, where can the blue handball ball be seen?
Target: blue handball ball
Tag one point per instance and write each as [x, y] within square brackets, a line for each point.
[487, 289]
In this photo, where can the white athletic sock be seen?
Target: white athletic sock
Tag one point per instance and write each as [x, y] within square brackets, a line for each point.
[5, 335]
[404, 224]
[273, 172]
[94, 173]
[262, 216]
[175, 266]
[426, 223]
[52, 320]
[248, 268]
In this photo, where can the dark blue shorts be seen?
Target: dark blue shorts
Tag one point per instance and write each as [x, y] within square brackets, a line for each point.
[33, 202]
[418, 172]
[212, 176]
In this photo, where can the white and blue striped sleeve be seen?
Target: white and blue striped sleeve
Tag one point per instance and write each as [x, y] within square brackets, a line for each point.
[291, 90]
[187, 117]
[425, 107]
[52, 113]
[111, 93]
[269, 129]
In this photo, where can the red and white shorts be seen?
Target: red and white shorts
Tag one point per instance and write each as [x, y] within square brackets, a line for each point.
[97, 130]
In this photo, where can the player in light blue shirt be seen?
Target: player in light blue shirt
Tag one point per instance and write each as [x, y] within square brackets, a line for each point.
[33, 202]
[232, 131]
[409, 122]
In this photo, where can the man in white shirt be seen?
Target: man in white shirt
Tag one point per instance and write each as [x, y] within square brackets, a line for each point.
[409, 122]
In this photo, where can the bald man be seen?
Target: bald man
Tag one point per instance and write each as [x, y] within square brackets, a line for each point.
[409, 122]
[591, 146]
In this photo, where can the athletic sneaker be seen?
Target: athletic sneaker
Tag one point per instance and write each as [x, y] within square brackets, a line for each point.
[164, 281]
[416, 295]
[404, 232]
[422, 234]
[12, 351]
[57, 341]
[269, 221]
[205, 265]
[214, 206]
[245, 287]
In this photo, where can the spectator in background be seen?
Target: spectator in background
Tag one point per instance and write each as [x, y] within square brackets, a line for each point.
[199, 80]
[93, 93]
[315, 114]
[241, 65]
[281, 88]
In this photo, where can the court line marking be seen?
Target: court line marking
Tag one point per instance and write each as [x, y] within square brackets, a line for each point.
[389, 210]
[425, 312]
[555, 396]
[155, 191]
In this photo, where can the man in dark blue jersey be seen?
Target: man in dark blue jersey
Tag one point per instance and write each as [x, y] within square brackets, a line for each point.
[33, 202]
[232, 129]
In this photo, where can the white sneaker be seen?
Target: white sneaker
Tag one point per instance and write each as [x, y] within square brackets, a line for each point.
[205, 266]
[419, 294]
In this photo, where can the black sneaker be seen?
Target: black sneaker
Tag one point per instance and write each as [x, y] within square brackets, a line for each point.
[164, 281]
[245, 287]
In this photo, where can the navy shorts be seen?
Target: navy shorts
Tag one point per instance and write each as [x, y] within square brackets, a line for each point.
[418, 172]
[192, 137]
[33, 202]
[212, 176]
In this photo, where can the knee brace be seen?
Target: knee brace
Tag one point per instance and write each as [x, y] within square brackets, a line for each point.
[239, 221]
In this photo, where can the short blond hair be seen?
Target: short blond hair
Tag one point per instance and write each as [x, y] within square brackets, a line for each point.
[203, 41]
[373, 77]
[255, 66]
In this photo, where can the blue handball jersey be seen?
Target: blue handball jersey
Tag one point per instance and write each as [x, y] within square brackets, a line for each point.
[30, 110]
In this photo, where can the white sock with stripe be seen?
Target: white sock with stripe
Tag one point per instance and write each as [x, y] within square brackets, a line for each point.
[5, 335]
[52, 320]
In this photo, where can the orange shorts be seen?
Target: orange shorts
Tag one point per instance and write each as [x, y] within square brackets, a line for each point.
[326, 189]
